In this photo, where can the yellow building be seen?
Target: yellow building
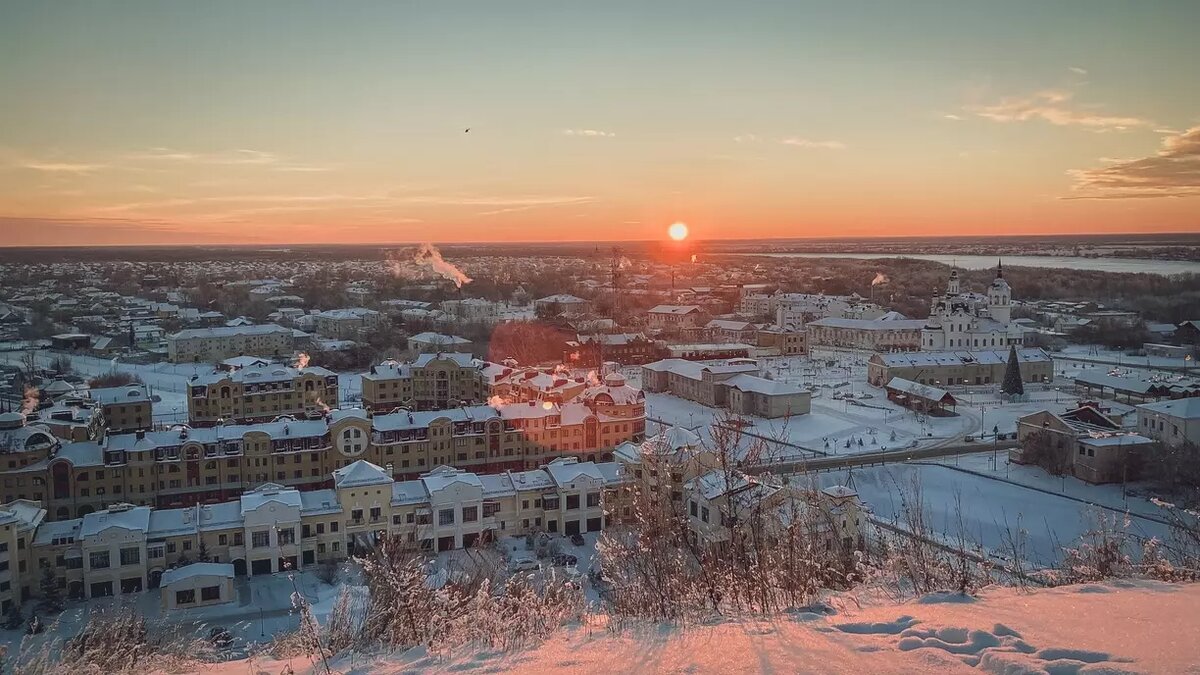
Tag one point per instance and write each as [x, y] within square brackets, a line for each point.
[193, 553]
[260, 392]
[208, 465]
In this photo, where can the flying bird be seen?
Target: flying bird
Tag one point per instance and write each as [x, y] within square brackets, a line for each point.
[467, 130]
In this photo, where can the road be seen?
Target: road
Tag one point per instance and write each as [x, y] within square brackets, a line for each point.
[865, 458]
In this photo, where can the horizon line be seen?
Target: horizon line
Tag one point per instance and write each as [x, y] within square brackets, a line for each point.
[881, 237]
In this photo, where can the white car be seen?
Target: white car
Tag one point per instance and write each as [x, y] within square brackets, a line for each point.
[524, 565]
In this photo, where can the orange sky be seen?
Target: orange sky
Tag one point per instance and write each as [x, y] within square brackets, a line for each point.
[271, 123]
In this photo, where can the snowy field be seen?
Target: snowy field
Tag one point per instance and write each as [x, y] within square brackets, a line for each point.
[985, 510]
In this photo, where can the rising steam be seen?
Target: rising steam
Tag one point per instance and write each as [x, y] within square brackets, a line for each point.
[301, 361]
[880, 278]
[428, 256]
[30, 400]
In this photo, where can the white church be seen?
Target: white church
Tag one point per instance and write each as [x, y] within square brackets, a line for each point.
[959, 320]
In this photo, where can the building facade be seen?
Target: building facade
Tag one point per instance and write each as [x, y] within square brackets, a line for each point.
[195, 345]
[959, 320]
[184, 465]
[879, 335]
[259, 393]
[949, 368]
[350, 323]
[193, 553]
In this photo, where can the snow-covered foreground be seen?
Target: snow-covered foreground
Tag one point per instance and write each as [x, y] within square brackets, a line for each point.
[1140, 627]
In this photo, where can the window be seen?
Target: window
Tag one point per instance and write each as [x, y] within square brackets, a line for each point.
[261, 539]
[98, 560]
[375, 513]
[593, 499]
[572, 502]
[185, 597]
[704, 513]
[470, 514]
[446, 517]
[209, 593]
[222, 539]
[130, 556]
[287, 536]
[692, 508]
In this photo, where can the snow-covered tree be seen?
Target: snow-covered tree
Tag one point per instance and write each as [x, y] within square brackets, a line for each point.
[51, 600]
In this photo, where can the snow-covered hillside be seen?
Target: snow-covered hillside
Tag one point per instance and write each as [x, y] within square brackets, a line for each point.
[1122, 627]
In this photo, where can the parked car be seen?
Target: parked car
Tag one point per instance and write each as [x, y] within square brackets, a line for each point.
[524, 565]
[577, 539]
[563, 560]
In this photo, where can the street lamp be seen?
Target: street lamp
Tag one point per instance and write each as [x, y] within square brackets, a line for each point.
[995, 446]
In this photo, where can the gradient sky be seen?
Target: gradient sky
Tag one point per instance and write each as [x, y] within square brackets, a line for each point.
[243, 122]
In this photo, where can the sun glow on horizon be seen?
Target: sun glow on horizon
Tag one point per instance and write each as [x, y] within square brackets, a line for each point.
[678, 231]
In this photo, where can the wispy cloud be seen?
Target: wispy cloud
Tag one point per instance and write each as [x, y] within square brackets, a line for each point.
[1174, 171]
[952, 116]
[60, 167]
[589, 133]
[236, 157]
[1056, 107]
[1077, 70]
[746, 138]
[808, 143]
[514, 205]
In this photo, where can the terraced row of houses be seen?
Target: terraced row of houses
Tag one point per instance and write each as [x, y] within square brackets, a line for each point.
[126, 548]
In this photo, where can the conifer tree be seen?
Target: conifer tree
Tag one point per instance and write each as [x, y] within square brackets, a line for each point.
[1012, 384]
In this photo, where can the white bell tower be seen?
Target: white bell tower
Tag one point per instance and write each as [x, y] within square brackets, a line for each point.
[1000, 297]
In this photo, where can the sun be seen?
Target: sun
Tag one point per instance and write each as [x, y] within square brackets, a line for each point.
[678, 231]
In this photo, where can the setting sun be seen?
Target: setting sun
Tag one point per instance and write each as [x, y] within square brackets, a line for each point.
[678, 231]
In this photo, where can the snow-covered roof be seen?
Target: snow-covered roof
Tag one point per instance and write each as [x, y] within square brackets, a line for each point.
[318, 502]
[445, 476]
[61, 531]
[695, 370]
[261, 372]
[197, 569]
[674, 309]
[360, 473]
[955, 358]
[432, 338]
[420, 419]
[134, 393]
[924, 391]
[761, 385]
[409, 492]
[561, 299]
[565, 470]
[462, 359]
[270, 493]
[869, 324]
[123, 516]
[83, 453]
[1185, 408]
[230, 330]
[1106, 440]
[389, 370]
[352, 313]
